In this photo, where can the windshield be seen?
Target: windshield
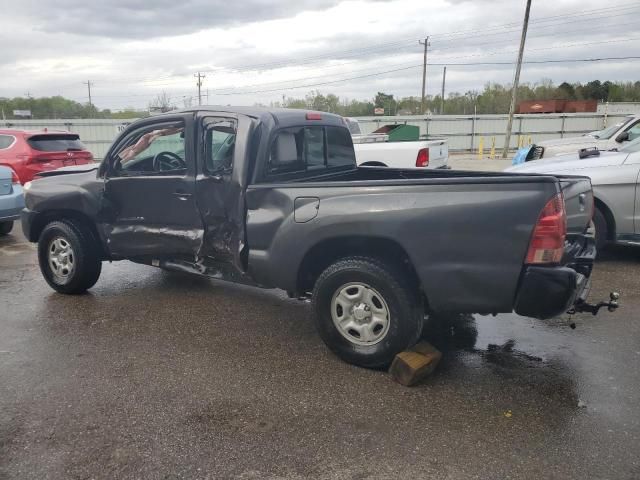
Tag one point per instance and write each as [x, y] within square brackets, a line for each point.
[631, 147]
[608, 132]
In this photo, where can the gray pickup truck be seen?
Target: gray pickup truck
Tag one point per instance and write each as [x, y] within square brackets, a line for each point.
[274, 198]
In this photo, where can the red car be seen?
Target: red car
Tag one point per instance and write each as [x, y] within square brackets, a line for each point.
[29, 152]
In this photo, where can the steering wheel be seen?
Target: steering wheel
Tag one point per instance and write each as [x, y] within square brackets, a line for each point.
[167, 159]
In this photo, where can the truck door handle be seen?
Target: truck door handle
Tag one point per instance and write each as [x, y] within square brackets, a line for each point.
[182, 195]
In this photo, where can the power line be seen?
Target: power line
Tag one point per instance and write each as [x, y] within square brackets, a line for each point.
[418, 66]
[568, 60]
[375, 48]
[407, 67]
[443, 37]
[555, 47]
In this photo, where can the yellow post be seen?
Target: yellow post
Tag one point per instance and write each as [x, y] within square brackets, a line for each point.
[493, 148]
[480, 148]
[519, 141]
[529, 141]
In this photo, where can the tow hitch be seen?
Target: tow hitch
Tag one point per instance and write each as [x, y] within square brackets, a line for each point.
[582, 306]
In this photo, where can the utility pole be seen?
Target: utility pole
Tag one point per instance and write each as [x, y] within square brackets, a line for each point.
[516, 79]
[444, 77]
[88, 84]
[200, 77]
[423, 105]
[30, 98]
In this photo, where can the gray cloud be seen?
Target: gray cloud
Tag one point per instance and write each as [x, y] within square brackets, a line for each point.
[70, 36]
[140, 19]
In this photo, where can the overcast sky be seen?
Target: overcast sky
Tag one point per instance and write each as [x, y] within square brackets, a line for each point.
[258, 50]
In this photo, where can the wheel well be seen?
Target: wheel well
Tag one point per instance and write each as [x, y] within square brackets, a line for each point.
[373, 164]
[327, 252]
[49, 216]
[608, 216]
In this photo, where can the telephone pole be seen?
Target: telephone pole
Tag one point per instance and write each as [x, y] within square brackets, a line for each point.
[88, 84]
[444, 76]
[200, 77]
[423, 104]
[516, 79]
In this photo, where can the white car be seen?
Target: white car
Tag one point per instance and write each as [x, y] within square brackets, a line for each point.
[614, 136]
[615, 179]
[376, 150]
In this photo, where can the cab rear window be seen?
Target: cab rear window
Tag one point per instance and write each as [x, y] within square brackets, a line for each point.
[308, 151]
[55, 143]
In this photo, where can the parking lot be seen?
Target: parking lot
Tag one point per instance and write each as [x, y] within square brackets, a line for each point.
[163, 375]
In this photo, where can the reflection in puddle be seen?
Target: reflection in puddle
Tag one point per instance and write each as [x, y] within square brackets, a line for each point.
[460, 332]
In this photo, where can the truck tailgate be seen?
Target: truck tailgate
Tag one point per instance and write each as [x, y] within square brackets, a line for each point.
[578, 199]
[438, 153]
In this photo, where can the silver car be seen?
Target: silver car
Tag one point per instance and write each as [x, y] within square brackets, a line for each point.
[614, 176]
[614, 136]
[11, 199]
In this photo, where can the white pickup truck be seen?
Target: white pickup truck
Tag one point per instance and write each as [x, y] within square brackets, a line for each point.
[388, 147]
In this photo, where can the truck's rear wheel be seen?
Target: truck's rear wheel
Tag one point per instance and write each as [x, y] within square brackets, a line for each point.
[601, 228]
[68, 257]
[366, 312]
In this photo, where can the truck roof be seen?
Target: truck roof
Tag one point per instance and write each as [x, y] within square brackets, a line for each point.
[282, 116]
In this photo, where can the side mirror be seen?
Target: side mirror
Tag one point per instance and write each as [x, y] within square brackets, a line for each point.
[623, 137]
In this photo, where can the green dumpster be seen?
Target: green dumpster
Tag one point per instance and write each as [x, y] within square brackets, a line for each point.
[400, 132]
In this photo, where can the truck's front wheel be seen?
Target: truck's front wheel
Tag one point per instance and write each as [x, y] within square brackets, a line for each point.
[68, 257]
[367, 312]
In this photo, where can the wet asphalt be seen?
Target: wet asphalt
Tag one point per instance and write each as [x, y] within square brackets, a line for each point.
[164, 375]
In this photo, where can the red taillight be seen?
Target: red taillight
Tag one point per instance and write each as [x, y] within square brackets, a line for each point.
[313, 116]
[547, 242]
[422, 160]
[14, 177]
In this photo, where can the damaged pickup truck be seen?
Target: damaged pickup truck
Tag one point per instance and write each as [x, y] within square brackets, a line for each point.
[273, 198]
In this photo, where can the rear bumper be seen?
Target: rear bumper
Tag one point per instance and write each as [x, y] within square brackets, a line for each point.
[11, 204]
[546, 292]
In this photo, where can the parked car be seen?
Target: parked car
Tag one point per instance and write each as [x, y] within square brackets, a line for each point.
[28, 152]
[11, 199]
[379, 149]
[612, 137]
[274, 198]
[614, 176]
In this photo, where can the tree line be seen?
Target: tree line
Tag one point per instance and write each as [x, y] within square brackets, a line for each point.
[494, 98]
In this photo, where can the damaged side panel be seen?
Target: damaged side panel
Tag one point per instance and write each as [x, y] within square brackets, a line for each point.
[135, 240]
[220, 192]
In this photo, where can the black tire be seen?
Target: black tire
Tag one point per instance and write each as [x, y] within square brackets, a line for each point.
[602, 229]
[5, 228]
[405, 307]
[87, 264]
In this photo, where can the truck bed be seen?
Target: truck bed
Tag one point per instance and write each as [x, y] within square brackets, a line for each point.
[576, 189]
[466, 232]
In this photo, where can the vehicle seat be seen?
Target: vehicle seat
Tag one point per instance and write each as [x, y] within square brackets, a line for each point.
[284, 153]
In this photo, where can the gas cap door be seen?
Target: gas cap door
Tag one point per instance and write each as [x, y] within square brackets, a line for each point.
[305, 209]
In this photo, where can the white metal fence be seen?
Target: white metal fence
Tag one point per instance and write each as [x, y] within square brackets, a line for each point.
[464, 132]
[96, 134]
